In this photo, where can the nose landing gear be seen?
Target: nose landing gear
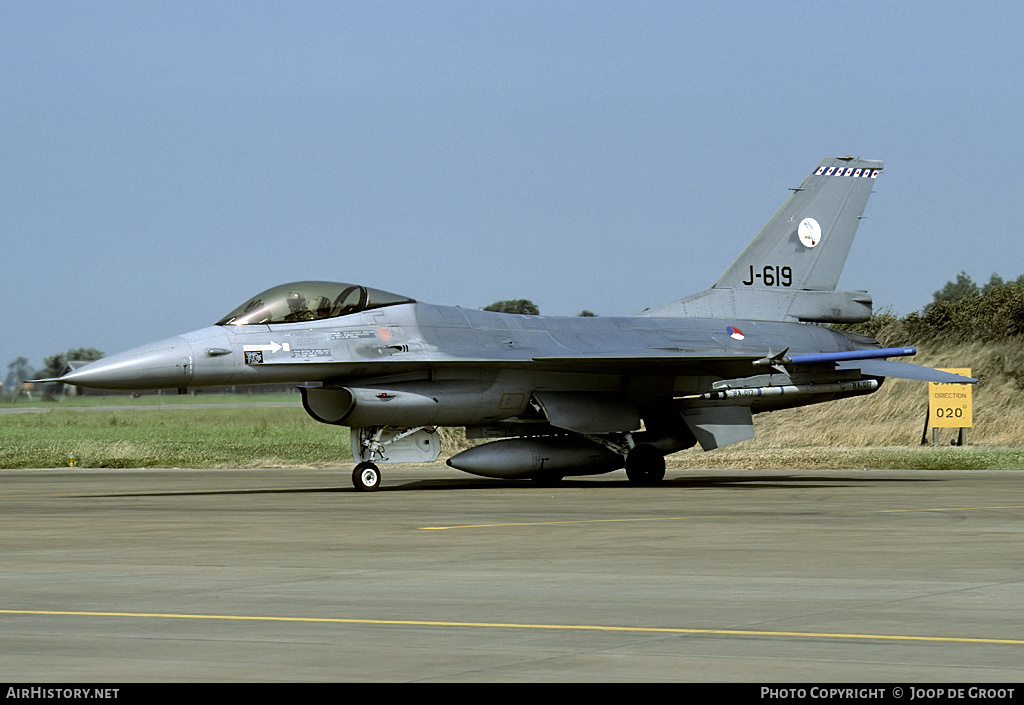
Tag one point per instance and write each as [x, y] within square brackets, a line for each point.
[366, 477]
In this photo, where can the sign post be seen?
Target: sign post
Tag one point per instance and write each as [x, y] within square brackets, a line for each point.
[950, 406]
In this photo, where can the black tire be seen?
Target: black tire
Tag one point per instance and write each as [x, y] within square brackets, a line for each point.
[645, 465]
[366, 477]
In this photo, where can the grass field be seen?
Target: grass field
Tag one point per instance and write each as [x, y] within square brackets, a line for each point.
[881, 430]
[236, 434]
[139, 433]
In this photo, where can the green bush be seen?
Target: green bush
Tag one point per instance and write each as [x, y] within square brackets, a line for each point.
[995, 314]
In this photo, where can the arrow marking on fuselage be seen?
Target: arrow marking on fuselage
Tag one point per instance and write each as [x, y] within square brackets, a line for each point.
[273, 347]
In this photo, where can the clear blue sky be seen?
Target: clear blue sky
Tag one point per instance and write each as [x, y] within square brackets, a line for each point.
[160, 162]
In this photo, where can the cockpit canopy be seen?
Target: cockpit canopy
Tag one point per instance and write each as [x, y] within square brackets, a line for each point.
[309, 301]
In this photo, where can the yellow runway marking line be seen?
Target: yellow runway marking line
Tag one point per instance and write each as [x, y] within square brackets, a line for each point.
[702, 516]
[932, 509]
[503, 625]
[569, 521]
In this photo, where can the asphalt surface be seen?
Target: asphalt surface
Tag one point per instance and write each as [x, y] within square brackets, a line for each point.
[290, 575]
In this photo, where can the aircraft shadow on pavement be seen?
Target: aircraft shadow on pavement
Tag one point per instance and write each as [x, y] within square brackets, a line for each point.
[456, 483]
[739, 482]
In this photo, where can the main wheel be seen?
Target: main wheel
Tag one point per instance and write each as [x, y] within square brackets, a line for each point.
[645, 465]
[366, 477]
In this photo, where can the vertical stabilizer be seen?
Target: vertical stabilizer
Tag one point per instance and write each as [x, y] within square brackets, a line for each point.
[811, 234]
[790, 270]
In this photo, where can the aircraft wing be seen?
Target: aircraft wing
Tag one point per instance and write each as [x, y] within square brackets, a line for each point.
[869, 362]
[650, 361]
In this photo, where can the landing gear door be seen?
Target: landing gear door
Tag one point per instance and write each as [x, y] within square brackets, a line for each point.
[395, 445]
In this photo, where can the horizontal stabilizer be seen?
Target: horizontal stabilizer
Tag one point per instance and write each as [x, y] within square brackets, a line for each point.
[904, 370]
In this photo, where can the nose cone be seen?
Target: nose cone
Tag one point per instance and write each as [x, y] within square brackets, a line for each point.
[166, 364]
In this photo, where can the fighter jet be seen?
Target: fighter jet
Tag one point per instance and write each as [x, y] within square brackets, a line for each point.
[558, 396]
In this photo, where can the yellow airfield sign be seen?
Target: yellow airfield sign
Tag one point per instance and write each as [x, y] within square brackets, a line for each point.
[949, 405]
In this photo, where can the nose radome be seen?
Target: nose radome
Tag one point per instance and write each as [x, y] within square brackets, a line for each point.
[165, 364]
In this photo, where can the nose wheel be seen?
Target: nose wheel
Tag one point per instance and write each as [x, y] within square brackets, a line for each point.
[366, 477]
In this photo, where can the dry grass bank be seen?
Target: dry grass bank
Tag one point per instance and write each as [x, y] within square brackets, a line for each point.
[895, 414]
[885, 429]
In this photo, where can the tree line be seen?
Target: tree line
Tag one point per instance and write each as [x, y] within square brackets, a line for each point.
[525, 307]
[960, 312]
[53, 366]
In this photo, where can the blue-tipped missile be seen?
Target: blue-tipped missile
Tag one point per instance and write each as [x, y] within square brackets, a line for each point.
[868, 362]
[817, 358]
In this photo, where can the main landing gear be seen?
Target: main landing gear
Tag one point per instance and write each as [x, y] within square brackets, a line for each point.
[366, 477]
[645, 465]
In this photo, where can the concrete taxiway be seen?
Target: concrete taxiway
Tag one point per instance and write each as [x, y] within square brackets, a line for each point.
[290, 575]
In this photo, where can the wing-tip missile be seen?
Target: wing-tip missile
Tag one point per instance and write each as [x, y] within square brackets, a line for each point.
[842, 356]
